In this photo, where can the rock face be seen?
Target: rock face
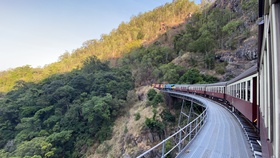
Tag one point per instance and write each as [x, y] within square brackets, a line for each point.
[231, 4]
[245, 54]
[146, 137]
[248, 51]
[240, 59]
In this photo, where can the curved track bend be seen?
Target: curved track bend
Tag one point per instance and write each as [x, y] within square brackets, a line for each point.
[222, 135]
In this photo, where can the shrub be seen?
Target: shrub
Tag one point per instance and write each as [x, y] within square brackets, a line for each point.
[137, 116]
[154, 125]
[151, 94]
[167, 116]
[157, 99]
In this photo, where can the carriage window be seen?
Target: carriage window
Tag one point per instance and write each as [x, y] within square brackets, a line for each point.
[248, 90]
[238, 90]
[233, 93]
[243, 88]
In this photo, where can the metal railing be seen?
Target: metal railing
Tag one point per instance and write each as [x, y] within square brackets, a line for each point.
[179, 140]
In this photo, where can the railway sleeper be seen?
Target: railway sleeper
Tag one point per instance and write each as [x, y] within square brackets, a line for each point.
[256, 148]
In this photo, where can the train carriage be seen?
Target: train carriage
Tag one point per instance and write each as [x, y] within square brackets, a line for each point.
[216, 90]
[197, 89]
[177, 87]
[241, 92]
[181, 87]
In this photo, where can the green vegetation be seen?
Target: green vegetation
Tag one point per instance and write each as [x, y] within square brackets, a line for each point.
[193, 76]
[168, 146]
[151, 94]
[154, 98]
[220, 69]
[153, 65]
[155, 125]
[157, 99]
[142, 28]
[167, 116]
[65, 113]
[137, 116]
[203, 31]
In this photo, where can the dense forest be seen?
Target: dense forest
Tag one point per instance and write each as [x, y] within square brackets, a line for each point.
[62, 115]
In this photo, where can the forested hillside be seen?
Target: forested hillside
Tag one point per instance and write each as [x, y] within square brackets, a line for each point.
[141, 29]
[219, 41]
[64, 114]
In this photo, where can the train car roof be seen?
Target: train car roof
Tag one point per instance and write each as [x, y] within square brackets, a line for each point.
[181, 84]
[217, 84]
[246, 73]
[198, 85]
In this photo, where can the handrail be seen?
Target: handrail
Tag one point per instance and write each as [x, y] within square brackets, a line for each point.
[189, 132]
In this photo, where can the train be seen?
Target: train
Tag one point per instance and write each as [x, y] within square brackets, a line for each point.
[240, 92]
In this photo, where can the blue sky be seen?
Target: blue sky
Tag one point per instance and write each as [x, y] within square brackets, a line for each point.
[37, 32]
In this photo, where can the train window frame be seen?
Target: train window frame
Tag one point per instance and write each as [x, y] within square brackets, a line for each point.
[243, 90]
[249, 90]
[238, 90]
[234, 90]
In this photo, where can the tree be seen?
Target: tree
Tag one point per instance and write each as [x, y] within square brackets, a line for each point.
[192, 76]
[151, 94]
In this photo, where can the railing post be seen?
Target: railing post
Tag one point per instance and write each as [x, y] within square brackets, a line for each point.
[162, 154]
[203, 118]
[190, 136]
[200, 121]
[180, 137]
[196, 126]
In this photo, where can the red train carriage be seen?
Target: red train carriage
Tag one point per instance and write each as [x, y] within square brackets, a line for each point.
[241, 92]
[197, 89]
[181, 87]
[216, 90]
